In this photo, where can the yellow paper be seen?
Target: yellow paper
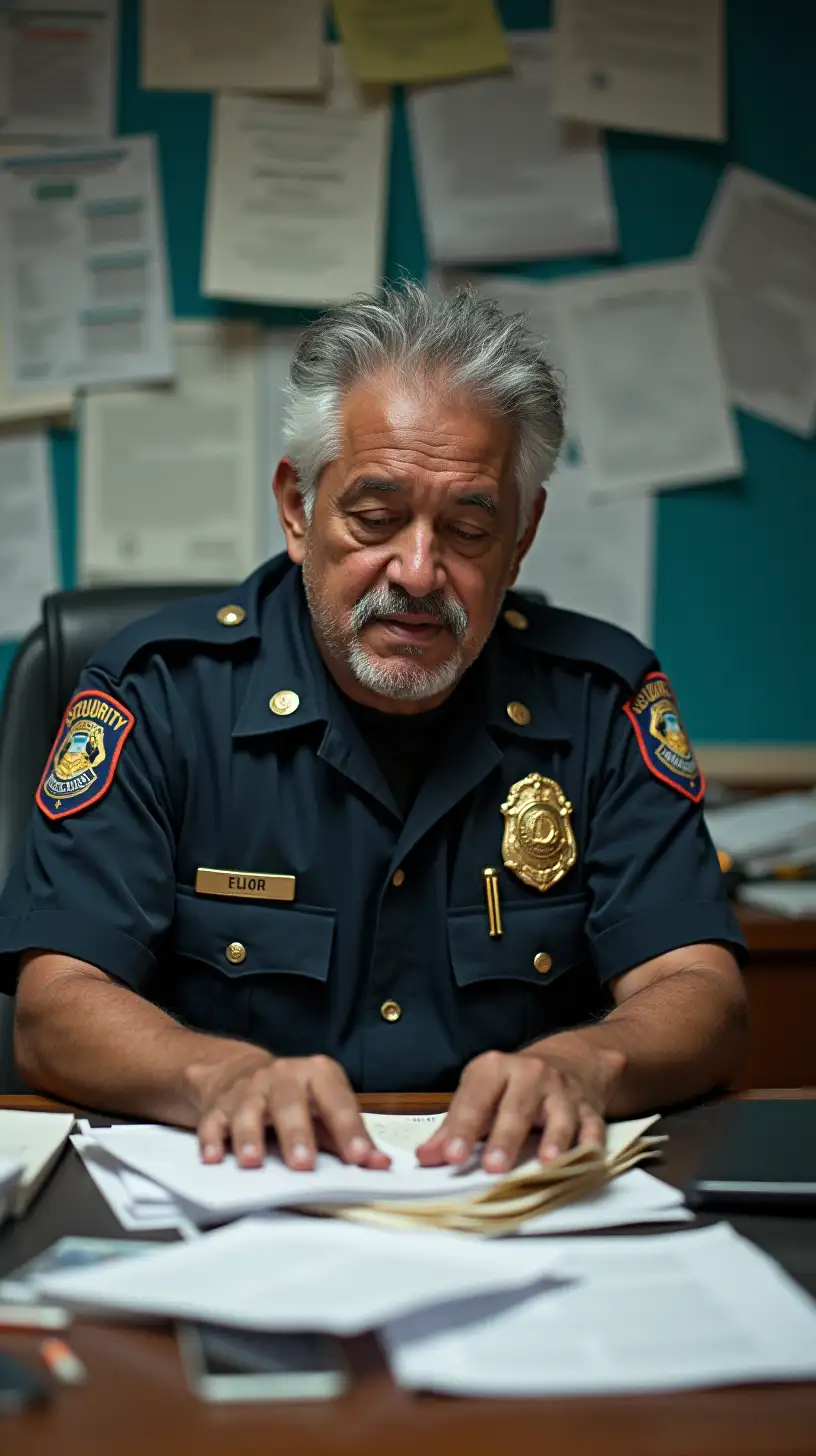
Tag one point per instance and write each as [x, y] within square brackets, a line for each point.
[415, 41]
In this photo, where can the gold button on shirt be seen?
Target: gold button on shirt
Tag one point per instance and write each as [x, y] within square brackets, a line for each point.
[390, 1011]
[235, 953]
[519, 713]
[231, 616]
[542, 962]
[284, 702]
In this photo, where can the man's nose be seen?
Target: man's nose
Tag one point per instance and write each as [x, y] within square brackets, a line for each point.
[416, 563]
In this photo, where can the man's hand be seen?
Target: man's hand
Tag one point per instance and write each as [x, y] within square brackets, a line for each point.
[502, 1097]
[305, 1100]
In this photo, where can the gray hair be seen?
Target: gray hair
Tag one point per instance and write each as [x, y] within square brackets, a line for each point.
[462, 339]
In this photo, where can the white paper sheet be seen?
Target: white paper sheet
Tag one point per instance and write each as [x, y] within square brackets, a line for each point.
[643, 369]
[654, 67]
[232, 45]
[170, 478]
[83, 279]
[633, 1198]
[664, 1312]
[35, 1140]
[59, 68]
[589, 555]
[10, 1173]
[296, 196]
[17, 405]
[305, 1274]
[500, 176]
[763, 825]
[28, 546]
[128, 1199]
[757, 256]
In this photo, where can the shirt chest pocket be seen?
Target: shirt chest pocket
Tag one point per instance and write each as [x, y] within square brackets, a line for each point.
[254, 970]
[533, 980]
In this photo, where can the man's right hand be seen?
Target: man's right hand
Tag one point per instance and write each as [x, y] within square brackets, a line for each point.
[306, 1101]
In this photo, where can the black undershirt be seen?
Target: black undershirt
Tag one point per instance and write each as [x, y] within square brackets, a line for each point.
[403, 745]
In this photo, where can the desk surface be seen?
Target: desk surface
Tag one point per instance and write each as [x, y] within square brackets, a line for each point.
[135, 1399]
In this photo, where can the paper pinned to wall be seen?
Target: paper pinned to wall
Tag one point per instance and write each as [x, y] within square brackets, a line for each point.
[83, 274]
[644, 373]
[28, 548]
[26, 404]
[296, 196]
[412, 43]
[59, 67]
[170, 476]
[655, 67]
[233, 45]
[588, 555]
[757, 256]
[500, 176]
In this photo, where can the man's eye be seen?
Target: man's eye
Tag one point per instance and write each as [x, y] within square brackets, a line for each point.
[375, 523]
[462, 533]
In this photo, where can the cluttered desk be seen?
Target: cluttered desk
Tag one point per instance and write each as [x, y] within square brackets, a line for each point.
[644, 1312]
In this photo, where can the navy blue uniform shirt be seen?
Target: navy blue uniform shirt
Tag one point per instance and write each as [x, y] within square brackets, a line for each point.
[176, 755]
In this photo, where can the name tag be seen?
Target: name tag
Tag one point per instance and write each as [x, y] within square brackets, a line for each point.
[244, 885]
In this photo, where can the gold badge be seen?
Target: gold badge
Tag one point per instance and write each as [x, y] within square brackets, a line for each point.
[538, 844]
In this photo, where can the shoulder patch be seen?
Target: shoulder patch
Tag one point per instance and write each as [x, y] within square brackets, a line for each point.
[662, 739]
[86, 750]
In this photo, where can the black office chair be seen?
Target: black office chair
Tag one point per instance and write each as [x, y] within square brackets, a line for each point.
[43, 676]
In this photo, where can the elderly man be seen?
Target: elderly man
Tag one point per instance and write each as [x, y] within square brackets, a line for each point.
[369, 821]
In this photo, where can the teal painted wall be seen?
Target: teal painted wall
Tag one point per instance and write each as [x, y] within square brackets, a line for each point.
[735, 621]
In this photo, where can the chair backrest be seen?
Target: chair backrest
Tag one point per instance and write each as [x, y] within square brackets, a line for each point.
[75, 624]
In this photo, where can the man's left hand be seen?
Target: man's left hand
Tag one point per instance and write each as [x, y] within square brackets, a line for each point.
[503, 1096]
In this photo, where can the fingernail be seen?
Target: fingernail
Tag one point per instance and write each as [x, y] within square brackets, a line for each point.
[211, 1153]
[300, 1153]
[358, 1148]
[551, 1151]
[496, 1160]
[457, 1148]
[249, 1150]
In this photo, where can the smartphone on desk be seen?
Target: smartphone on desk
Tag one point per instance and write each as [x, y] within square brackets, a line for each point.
[223, 1364]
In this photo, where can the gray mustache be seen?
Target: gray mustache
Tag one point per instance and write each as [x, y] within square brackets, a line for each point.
[384, 601]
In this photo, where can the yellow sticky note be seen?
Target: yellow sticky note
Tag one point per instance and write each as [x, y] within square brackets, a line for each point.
[415, 41]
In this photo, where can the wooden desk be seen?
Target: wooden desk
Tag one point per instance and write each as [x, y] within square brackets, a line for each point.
[135, 1402]
[781, 981]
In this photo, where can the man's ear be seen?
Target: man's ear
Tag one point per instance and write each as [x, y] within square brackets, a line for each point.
[286, 486]
[526, 541]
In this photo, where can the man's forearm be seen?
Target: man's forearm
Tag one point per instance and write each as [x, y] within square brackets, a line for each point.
[95, 1043]
[675, 1039]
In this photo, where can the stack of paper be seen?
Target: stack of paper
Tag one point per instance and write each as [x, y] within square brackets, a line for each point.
[532, 1189]
[154, 1176]
[767, 833]
[10, 1173]
[33, 1141]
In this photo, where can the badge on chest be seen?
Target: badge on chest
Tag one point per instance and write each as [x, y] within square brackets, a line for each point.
[539, 843]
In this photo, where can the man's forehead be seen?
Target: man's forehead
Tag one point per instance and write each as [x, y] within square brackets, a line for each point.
[386, 415]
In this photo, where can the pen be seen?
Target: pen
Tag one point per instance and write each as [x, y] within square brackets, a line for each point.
[61, 1362]
[494, 919]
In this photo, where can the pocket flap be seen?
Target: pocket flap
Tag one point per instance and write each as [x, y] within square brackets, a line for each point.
[242, 938]
[551, 933]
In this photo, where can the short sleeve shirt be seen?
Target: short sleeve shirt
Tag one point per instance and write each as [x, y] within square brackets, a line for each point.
[564, 766]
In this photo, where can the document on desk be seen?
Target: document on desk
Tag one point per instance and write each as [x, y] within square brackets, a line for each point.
[662, 1312]
[296, 195]
[83, 277]
[500, 177]
[293, 1273]
[657, 67]
[410, 44]
[589, 555]
[170, 484]
[137, 1203]
[233, 45]
[645, 379]
[58, 68]
[28, 541]
[772, 827]
[757, 256]
[34, 1139]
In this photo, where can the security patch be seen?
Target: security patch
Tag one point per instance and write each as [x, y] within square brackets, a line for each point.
[662, 739]
[86, 751]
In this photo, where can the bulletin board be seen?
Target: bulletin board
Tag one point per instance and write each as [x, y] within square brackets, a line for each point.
[735, 621]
